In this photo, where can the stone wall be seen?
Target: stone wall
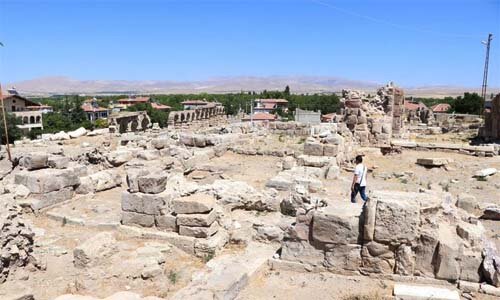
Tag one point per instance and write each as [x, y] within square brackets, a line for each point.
[408, 234]
[374, 120]
[129, 121]
[491, 129]
[208, 113]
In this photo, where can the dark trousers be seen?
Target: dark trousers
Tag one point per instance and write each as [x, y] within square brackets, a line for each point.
[361, 190]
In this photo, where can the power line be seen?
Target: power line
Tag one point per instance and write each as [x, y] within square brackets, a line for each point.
[395, 25]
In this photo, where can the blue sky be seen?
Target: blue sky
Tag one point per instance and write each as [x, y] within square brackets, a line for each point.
[410, 42]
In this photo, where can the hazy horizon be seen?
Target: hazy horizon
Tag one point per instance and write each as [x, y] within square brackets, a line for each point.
[420, 43]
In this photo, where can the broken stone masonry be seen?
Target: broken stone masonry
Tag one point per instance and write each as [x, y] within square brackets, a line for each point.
[395, 233]
[491, 128]
[374, 120]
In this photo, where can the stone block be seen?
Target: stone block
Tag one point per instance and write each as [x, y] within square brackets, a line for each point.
[58, 162]
[330, 150]
[343, 257]
[150, 204]
[132, 218]
[152, 183]
[468, 203]
[166, 222]
[194, 204]
[47, 180]
[199, 232]
[133, 175]
[197, 219]
[34, 161]
[119, 157]
[415, 292]
[212, 245]
[94, 250]
[337, 225]
[470, 265]
[333, 172]
[446, 264]
[313, 148]
[397, 217]
[432, 162]
[303, 252]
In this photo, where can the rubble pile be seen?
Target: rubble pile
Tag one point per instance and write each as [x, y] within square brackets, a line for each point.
[16, 239]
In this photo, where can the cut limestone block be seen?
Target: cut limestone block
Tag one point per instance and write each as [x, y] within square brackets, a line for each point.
[432, 162]
[337, 225]
[197, 219]
[414, 292]
[194, 204]
[199, 232]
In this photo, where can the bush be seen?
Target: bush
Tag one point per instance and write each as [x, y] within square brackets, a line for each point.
[101, 123]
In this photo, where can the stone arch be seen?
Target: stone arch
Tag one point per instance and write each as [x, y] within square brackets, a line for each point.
[32, 120]
[38, 119]
[25, 120]
[176, 118]
[133, 125]
[144, 123]
[123, 126]
[182, 118]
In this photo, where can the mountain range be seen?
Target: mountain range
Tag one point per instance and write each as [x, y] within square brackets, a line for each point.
[57, 85]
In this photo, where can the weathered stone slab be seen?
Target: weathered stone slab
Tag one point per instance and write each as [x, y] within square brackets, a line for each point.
[337, 225]
[491, 213]
[47, 180]
[415, 292]
[93, 250]
[166, 222]
[194, 204]
[150, 204]
[197, 219]
[397, 217]
[485, 172]
[152, 183]
[34, 161]
[432, 162]
[199, 232]
[132, 218]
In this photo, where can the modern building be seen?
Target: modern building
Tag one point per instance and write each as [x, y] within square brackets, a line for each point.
[30, 113]
[94, 111]
[270, 105]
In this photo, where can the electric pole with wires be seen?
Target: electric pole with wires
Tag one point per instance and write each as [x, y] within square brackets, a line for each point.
[486, 62]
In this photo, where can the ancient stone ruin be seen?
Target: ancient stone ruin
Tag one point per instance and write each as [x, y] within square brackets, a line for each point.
[235, 210]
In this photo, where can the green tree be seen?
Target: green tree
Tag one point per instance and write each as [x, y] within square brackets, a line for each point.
[469, 104]
[14, 131]
[287, 91]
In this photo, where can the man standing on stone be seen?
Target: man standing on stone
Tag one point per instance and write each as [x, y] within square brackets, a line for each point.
[359, 180]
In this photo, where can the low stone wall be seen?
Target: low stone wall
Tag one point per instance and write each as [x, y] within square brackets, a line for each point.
[488, 151]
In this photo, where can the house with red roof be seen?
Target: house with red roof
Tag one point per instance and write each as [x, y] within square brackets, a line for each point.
[93, 110]
[270, 105]
[441, 108]
[124, 103]
[261, 117]
[30, 112]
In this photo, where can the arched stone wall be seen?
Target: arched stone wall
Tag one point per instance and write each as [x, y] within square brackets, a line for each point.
[189, 116]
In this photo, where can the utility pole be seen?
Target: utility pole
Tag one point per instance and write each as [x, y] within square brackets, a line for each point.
[486, 62]
[5, 126]
[5, 120]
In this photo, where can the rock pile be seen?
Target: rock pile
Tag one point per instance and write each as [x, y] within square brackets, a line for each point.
[16, 238]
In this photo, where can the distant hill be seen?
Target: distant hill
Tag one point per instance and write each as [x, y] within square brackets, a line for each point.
[298, 84]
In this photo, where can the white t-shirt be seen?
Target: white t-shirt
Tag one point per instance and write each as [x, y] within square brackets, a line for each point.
[360, 173]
